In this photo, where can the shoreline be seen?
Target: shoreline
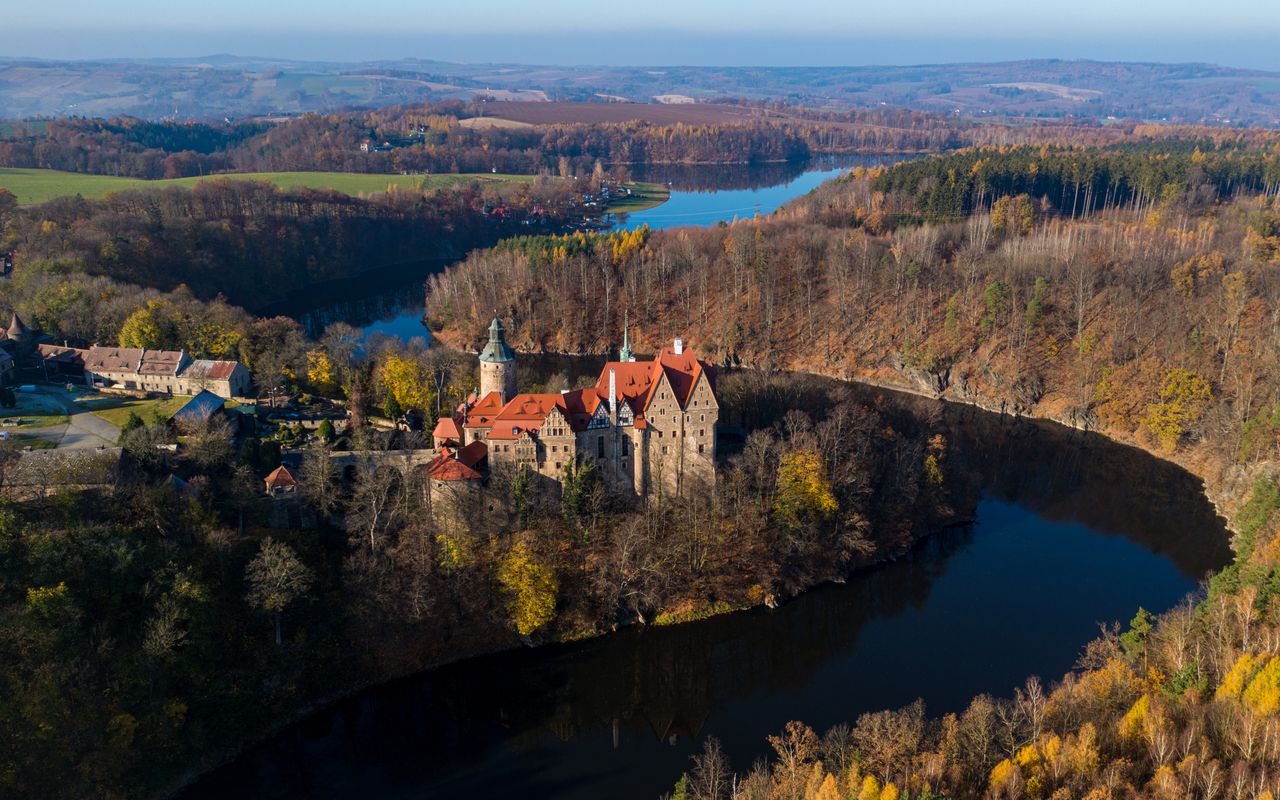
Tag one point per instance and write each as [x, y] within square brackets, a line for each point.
[905, 388]
[572, 638]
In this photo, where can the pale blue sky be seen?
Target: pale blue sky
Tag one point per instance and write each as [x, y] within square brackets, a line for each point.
[780, 32]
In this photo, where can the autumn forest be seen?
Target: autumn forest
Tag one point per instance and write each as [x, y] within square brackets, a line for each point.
[1119, 279]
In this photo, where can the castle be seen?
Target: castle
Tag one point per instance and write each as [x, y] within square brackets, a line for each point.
[646, 426]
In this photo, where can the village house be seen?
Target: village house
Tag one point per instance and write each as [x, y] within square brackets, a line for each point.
[645, 426]
[141, 369]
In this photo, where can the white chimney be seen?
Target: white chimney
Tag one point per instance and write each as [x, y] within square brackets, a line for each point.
[613, 394]
[679, 347]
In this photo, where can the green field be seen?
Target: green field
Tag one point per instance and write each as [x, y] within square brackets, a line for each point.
[644, 196]
[39, 185]
[116, 410]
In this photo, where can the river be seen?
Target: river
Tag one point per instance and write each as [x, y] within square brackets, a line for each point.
[1071, 531]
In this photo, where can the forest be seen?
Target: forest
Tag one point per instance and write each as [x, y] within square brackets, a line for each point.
[253, 243]
[153, 627]
[1154, 322]
[453, 136]
[1131, 290]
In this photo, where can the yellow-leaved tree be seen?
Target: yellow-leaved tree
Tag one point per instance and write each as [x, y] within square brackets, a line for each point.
[1132, 723]
[1238, 676]
[320, 372]
[1184, 398]
[143, 328]
[407, 380]
[532, 588]
[1263, 692]
[803, 491]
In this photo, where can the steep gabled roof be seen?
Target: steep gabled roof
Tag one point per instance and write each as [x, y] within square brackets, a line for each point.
[281, 478]
[637, 381]
[462, 465]
[482, 414]
[682, 371]
[200, 408]
[447, 428]
[473, 454]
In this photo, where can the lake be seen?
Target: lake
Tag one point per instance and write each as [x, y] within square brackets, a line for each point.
[390, 301]
[725, 201]
[1071, 531]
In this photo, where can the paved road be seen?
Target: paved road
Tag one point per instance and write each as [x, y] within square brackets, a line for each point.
[84, 431]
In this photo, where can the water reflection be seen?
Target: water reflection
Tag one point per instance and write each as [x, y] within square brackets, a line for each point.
[390, 300]
[1071, 530]
[732, 177]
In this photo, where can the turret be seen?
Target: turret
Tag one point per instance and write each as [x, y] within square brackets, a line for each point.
[625, 353]
[498, 364]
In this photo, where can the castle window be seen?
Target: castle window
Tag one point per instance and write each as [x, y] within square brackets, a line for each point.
[664, 449]
[701, 432]
[599, 447]
[557, 465]
[555, 448]
[702, 418]
[699, 448]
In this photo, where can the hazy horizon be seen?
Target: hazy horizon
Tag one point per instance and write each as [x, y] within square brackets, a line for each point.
[799, 33]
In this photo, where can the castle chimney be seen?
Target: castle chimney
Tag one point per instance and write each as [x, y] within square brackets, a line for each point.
[613, 395]
[679, 346]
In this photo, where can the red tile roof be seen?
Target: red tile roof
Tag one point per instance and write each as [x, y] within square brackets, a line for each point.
[473, 454]
[447, 428]
[161, 362]
[635, 382]
[481, 414]
[204, 369]
[281, 478]
[450, 470]
[462, 465]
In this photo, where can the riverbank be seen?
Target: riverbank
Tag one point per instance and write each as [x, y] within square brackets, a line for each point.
[643, 197]
[683, 615]
[1225, 486]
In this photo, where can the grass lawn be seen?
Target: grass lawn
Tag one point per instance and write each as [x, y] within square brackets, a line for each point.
[35, 411]
[117, 409]
[24, 440]
[38, 185]
[644, 196]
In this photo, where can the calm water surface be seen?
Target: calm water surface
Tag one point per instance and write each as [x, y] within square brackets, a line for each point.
[1071, 531]
[711, 205]
[391, 302]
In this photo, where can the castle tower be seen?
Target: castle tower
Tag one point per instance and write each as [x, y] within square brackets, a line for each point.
[497, 364]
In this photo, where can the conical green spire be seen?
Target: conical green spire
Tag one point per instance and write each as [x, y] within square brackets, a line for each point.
[625, 353]
[497, 348]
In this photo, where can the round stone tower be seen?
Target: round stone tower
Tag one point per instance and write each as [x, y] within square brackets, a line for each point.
[498, 364]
